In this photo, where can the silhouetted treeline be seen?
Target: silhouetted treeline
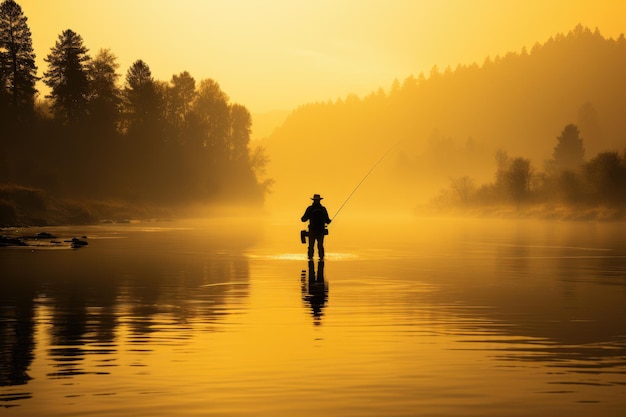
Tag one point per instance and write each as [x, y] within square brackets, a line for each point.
[98, 135]
[451, 122]
[567, 178]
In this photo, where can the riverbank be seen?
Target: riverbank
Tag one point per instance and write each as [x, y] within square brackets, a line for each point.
[30, 207]
[560, 212]
[25, 207]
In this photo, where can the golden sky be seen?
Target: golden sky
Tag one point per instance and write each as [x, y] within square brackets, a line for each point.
[278, 54]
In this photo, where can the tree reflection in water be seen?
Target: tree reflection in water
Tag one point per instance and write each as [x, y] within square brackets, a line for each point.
[84, 306]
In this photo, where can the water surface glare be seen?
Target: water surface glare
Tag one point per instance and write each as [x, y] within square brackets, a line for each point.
[228, 318]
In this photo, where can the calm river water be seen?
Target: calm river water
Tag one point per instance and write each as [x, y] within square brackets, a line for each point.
[415, 317]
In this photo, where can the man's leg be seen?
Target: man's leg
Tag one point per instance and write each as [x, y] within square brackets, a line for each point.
[320, 245]
[311, 244]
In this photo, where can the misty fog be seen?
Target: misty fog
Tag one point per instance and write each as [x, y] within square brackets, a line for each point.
[449, 126]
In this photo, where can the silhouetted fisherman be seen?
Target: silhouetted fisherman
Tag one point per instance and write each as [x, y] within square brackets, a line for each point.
[317, 216]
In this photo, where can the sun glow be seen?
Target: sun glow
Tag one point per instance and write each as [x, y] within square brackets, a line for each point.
[285, 53]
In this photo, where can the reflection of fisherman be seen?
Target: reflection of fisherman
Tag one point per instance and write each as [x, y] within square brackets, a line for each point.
[315, 292]
[317, 216]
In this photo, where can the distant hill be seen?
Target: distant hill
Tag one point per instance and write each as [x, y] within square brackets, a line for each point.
[265, 123]
[452, 121]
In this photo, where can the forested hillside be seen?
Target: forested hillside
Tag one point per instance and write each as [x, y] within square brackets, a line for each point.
[130, 140]
[451, 122]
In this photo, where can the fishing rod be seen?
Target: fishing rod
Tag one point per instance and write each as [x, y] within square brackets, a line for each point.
[363, 179]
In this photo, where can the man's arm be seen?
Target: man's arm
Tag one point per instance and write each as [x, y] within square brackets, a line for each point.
[306, 215]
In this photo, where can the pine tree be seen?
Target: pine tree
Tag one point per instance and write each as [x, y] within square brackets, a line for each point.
[181, 93]
[18, 72]
[67, 77]
[142, 102]
[569, 151]
[104, 96]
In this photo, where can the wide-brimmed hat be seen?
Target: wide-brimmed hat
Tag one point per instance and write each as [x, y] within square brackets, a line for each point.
[317, 197]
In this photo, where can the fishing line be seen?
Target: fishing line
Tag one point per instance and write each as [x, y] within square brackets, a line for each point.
[364, 178]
